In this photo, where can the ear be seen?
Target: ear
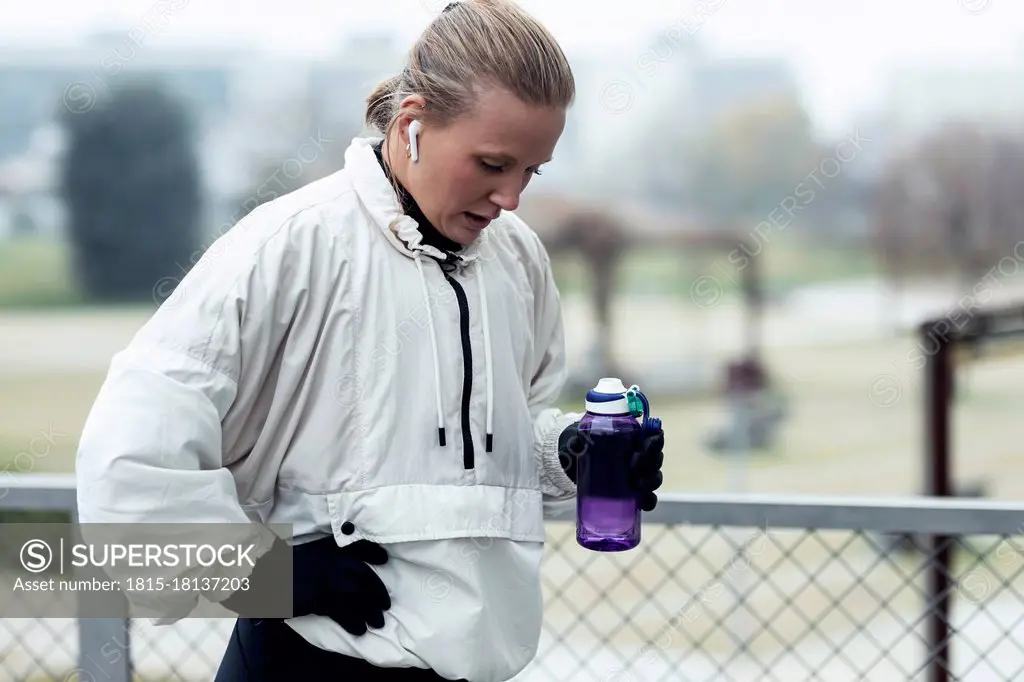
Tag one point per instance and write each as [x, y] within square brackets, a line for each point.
[410, 109]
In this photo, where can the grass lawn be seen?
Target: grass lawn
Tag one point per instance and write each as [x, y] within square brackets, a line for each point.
[41, 419]
[36, 273]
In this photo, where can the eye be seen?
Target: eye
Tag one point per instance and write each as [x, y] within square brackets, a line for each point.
[498, 168]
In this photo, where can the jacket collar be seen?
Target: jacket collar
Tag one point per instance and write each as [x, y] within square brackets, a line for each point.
[378, 196]
[431, 235]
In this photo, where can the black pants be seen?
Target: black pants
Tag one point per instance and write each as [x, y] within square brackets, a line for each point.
[270, 651]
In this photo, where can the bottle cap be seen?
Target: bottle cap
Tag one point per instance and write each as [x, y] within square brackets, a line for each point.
[610, 385]
[608, 397]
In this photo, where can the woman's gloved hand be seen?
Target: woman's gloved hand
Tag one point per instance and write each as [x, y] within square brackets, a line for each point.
[646, 476]
[327, 580]
[645, 462]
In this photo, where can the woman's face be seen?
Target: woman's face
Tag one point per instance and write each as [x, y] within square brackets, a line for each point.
[477, 166]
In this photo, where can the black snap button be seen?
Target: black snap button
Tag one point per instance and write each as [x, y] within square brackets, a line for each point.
[348, 528]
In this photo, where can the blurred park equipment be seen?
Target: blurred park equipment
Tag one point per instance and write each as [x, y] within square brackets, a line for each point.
[603, 236]
[756, 410]
[131, 184]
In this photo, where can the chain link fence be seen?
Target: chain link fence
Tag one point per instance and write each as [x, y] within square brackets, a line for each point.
[725, 603]
[721, 588]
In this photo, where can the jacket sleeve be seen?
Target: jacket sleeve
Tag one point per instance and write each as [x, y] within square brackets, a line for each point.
[549, 377]
[153, 449]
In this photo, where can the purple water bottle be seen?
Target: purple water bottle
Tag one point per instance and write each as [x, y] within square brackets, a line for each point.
[607, 509]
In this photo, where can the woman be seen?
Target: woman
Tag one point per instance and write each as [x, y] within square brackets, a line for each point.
[374, 360]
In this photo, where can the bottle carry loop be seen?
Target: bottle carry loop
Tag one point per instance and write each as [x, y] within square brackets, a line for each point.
[640, 407]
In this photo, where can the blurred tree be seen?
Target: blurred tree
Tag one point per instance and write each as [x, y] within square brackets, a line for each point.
[131, 183]
[752, 158]
[951, 204]
[1005, 212]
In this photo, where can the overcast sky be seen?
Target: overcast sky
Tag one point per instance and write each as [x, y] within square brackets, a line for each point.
[841, 48]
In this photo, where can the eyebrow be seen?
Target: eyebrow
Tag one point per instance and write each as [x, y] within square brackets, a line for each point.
[511, 159]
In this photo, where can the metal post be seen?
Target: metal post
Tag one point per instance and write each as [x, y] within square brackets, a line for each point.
[104, 644]
[754, 298]
[104, 652]
[939, 371]
[104, 649]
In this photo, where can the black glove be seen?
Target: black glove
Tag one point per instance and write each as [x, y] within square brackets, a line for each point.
[327, 580]
[646, 462]
[570, 447]
[645, 474]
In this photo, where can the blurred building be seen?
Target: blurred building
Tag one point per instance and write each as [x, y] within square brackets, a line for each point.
[38, 82]
[41, 83]
[249, 110]
[27, 202]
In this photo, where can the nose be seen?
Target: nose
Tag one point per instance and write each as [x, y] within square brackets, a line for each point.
[507, 196]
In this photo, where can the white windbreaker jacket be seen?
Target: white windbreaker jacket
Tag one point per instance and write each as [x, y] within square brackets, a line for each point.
[317, 368]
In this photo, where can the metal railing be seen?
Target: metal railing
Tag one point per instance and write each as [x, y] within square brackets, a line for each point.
[723, 587]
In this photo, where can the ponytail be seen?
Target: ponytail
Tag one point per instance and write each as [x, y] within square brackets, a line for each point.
[380, 105]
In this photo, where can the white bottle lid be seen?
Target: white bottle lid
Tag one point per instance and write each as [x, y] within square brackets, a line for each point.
[610, 385]
[608, 397]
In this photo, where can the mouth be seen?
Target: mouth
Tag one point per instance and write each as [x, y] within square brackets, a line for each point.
[477, 221]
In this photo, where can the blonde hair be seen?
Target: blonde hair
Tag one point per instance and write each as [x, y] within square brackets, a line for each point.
[469, 46]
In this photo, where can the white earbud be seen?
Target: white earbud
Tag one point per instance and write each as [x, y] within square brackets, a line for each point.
[414, 130]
